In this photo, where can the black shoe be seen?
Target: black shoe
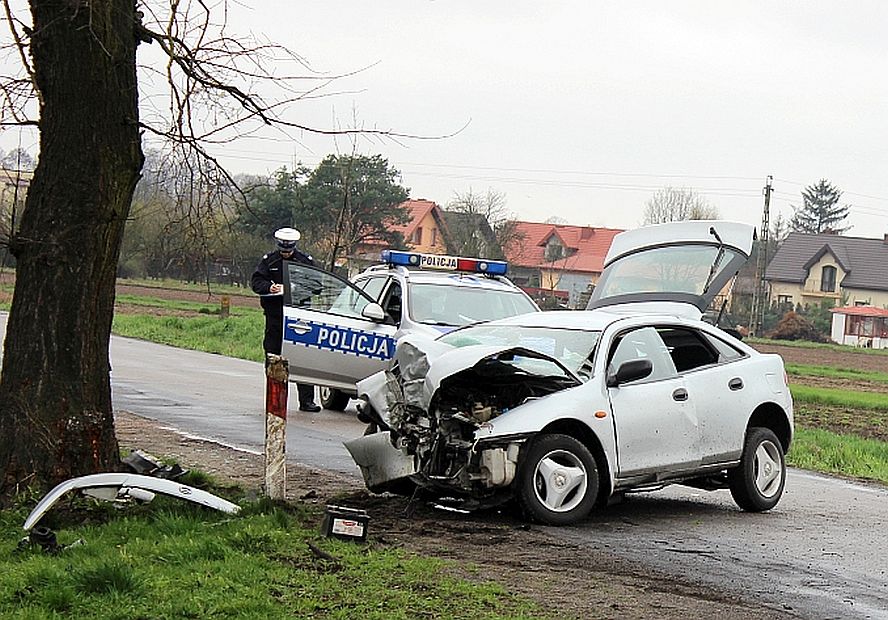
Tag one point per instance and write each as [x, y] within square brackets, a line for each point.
[309, 407]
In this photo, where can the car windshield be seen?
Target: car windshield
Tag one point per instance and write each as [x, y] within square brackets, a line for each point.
[450, 304]
[571, 347]
[670, 269]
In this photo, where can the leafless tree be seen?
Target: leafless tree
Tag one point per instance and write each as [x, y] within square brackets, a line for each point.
[482, 225]
[79, 85]
[672, 204]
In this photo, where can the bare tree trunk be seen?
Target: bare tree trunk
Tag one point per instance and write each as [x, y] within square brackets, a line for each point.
[55, 399]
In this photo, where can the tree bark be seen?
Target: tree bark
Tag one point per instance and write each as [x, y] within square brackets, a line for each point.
[56, 419]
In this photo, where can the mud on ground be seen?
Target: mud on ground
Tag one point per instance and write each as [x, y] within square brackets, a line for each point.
[570, 581]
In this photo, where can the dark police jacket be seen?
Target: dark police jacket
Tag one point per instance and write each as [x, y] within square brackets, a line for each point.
[271, 270]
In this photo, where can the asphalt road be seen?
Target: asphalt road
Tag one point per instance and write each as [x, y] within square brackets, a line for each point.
[822, 553]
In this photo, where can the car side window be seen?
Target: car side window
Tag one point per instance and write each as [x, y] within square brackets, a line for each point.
[726, 352]
[372, 286]
[687, 348]
[644, 343]
[316, 289]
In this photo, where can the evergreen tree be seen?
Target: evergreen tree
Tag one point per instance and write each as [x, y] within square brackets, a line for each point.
[820, 211]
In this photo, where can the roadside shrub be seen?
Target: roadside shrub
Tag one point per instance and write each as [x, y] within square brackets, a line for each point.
[794, 326]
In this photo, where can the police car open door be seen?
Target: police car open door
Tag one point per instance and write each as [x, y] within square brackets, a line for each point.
[334, 334]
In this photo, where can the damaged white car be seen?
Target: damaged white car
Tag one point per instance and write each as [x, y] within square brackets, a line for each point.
[562, 410]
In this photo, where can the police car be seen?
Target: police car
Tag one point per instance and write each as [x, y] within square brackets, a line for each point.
[338, 332]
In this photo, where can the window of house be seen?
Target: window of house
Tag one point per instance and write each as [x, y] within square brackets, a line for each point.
[828, 279]
[416, 237]
[860, 326]
[554, 250]
[784, 300]
[434, 236]
[859, 303]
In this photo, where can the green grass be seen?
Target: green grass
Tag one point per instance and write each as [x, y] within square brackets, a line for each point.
[175, 560]
[831, 372]
[240, 335]
[839, 398]
[846, 455]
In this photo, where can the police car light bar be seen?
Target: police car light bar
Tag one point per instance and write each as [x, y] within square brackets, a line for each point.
[445, 263]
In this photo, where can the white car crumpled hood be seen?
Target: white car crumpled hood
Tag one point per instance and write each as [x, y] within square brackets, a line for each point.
[424, 364]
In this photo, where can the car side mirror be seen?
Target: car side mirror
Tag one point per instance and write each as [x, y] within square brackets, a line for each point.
[374, 312]
[632, 370]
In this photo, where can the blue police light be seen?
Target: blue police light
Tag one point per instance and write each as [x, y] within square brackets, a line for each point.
[444, 262]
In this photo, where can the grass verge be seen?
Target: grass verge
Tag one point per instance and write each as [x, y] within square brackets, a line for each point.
[847, 455]
[170, 559]
[240, 335]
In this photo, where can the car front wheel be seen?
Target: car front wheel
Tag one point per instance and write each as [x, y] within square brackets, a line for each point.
[757, 483]
[558, 480]
[333, 399]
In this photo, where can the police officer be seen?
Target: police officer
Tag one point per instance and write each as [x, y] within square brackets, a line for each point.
[267, 282]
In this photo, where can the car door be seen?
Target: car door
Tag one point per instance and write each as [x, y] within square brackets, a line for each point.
[656, 425]
[715, 375]
[327, 339]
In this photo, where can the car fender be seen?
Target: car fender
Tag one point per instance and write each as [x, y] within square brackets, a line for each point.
[579, 405]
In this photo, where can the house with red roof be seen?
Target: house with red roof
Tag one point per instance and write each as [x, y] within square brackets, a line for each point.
[860, 326]
[558, 263]
[425, 231]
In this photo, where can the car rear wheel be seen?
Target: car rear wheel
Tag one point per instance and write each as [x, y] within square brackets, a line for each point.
[757, 483]
[558, 480]
[333, 399]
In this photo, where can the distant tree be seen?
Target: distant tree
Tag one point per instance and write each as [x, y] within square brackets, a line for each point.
[17, 159]
[820, 211]
[465, 235]
[672, 204]
[779, 229]
[349, 199]
[272, 204]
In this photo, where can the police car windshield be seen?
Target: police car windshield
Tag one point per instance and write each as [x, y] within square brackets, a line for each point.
[441, 304]
[572, 347]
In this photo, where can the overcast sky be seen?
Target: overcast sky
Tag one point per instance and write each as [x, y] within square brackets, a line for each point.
[582, 110]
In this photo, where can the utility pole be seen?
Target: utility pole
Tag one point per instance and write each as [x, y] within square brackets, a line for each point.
[758, 294]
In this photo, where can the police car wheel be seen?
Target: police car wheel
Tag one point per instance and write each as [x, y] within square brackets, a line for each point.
[333, 400]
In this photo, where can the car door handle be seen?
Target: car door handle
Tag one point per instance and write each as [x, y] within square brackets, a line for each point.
[680, 394]
[299, 327]
[736, 383]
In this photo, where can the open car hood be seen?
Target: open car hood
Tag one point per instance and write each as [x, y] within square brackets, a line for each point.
[687, 263]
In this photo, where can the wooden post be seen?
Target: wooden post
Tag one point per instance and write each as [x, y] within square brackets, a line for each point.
[277, 374]
[225, 307]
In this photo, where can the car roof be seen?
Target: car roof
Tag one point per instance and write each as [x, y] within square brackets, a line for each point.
[444, 278]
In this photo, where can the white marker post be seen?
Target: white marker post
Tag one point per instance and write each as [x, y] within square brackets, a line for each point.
[277, 374]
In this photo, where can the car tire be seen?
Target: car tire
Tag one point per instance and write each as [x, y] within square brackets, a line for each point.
[757, 483]
[557, 480]
[333, 399]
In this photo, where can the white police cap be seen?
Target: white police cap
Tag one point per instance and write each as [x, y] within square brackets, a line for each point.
[286, 238]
